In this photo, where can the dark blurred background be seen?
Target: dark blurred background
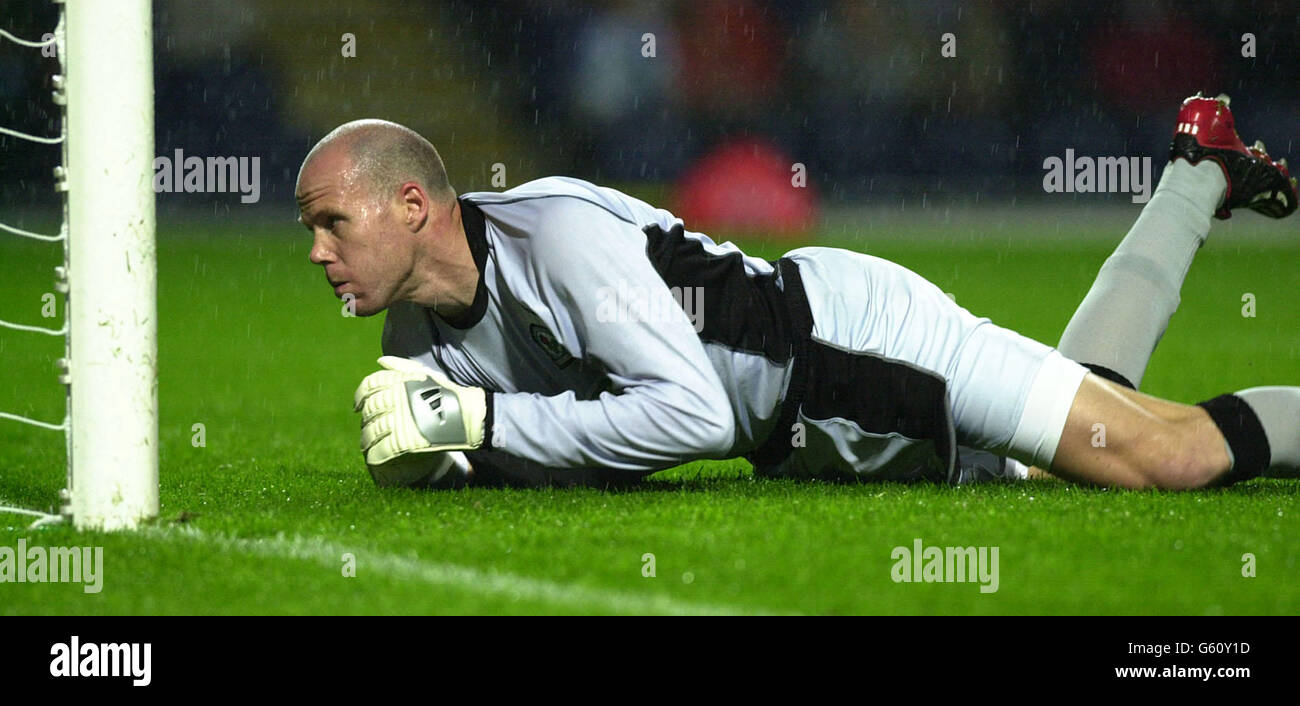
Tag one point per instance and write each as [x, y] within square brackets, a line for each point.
[855, 90]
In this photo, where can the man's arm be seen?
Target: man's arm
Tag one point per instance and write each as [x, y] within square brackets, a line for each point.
[666, 404]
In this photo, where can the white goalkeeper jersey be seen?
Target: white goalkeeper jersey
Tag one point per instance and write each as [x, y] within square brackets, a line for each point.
[609, 335]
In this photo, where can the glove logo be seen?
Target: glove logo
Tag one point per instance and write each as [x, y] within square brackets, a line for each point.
[431, 408]
[550, 345]
[433, 398]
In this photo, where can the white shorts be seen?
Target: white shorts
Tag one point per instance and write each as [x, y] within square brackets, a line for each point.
[1007, 394]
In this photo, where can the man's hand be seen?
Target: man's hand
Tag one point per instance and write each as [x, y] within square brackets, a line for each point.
[407, 408]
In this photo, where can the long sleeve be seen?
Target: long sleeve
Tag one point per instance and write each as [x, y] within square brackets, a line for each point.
[665, 404]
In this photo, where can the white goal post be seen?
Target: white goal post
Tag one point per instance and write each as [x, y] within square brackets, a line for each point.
[112, 305]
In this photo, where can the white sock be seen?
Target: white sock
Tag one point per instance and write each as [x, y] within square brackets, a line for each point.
[1125, 313]
[1278, 410]
[1016, 470]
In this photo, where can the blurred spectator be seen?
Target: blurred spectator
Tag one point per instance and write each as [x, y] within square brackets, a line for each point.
[623, 97]
[883, 100]
[215, 97]
[857, 90]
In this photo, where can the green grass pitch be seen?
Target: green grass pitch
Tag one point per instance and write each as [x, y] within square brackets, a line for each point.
[252, 345]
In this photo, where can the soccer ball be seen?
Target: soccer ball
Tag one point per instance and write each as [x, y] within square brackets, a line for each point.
[413, 470]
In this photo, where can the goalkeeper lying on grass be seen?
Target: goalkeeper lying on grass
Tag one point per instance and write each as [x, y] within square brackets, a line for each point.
[565, 332]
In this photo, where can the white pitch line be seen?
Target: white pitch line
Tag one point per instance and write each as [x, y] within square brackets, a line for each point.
[470, 579]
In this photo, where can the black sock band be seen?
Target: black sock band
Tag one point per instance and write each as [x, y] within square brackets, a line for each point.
[1245, 436]
[1109, 374]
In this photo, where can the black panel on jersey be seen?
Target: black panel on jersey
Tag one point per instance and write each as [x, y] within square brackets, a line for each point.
[476, 235]
[882, 396]
[795, 301]
[740, 312]
[879, 395]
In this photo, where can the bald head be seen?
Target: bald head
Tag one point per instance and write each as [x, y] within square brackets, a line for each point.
[382, 155]
[385, 223]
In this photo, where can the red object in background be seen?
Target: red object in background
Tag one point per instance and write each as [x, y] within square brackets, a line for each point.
[745, 185]
[1145, 69]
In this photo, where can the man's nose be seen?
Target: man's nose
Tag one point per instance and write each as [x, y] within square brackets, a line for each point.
[319, 254]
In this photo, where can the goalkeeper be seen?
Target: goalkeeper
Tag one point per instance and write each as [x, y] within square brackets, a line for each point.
[566, 332]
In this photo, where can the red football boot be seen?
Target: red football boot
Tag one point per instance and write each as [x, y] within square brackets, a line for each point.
[1205, 131]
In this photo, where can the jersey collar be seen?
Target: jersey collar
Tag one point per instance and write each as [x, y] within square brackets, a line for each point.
[476, 234]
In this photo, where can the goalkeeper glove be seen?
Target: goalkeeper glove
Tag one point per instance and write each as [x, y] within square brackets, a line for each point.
[407, 408]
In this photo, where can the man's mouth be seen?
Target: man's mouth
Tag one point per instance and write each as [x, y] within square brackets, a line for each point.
[338, 288]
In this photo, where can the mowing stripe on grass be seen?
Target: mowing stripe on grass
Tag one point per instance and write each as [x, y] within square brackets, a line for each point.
[456, 576]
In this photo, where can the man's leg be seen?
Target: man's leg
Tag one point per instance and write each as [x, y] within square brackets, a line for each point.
[1151, 442]
[1211, 172]
[1087, 429]
[1116, 328]
[1148, 442]
[1124, 314]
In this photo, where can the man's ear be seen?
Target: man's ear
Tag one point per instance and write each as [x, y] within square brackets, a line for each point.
[416, 204]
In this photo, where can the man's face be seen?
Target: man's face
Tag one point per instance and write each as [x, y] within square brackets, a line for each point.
[358, 236]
